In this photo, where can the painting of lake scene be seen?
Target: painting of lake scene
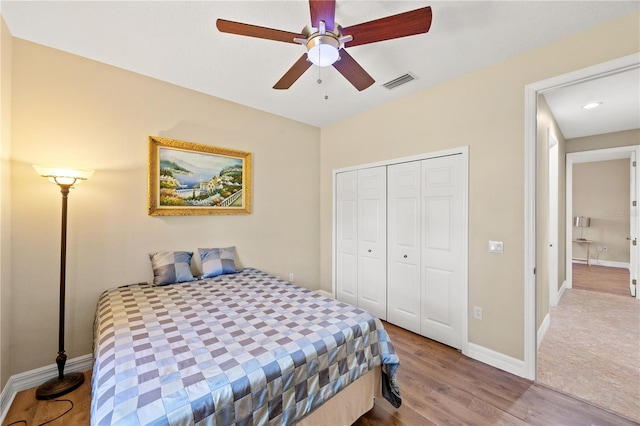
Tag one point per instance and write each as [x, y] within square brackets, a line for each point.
[195, 179]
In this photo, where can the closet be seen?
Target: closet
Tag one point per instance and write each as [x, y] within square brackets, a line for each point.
[361, 237]
[401, 243]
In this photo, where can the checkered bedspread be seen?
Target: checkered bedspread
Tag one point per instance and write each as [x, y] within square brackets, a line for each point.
[239, 349]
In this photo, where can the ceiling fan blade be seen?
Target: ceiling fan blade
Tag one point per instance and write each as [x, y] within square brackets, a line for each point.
[352, 71]
[395, 26]
[294, 73]
[323, 10]
[239, 28]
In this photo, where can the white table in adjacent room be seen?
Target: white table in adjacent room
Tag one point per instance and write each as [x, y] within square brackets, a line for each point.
[588, 244]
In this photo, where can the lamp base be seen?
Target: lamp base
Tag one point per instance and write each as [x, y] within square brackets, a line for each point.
[57, 387]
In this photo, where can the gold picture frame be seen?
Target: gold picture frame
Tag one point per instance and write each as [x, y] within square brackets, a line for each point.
[190, 179]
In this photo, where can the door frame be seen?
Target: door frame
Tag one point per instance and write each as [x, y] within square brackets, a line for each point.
[554, 229]
[621, 153]
[464, 151]
[530, 171]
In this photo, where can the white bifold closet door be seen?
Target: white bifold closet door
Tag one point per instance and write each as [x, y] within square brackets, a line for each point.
[403, 284]
[347, 237]
[443, 275]
[425, 272]
[372, 241]
[361, 244]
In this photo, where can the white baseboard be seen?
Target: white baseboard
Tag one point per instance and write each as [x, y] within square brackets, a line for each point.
[607, 263]
[325, 293]
[497, 359]
[6, 398]
[29, 379]
[542, 330]
[611, 264]
[563, 287]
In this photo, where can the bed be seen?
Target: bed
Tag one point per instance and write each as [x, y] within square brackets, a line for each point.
[237, 349]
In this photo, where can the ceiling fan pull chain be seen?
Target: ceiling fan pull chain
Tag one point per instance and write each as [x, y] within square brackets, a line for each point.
[319, 80]
[326, 90]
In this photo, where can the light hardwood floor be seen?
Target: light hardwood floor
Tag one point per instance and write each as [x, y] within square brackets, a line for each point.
[602, 279]
[439, 386]
[26, 410]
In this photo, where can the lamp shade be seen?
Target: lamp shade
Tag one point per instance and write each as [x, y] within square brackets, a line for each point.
[62, 175]
[582, 221]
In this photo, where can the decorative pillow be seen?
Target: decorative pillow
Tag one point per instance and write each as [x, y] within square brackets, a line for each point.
[217, 261]
[171, 267]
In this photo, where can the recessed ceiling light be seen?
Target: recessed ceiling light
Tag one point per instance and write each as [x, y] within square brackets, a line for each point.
[591, 105]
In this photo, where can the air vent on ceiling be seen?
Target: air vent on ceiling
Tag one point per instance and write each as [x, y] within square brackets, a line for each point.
[403, 79]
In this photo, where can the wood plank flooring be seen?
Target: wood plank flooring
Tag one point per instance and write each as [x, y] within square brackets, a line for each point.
[601, 278]
[439, 386]
[26, 410]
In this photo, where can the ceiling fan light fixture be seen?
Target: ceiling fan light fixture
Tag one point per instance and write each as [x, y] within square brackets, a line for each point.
[326, 42]
[322, 50]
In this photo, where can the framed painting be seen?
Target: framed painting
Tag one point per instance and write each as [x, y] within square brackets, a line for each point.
[189, 179]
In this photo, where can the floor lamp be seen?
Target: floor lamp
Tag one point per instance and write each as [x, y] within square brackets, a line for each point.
[63, 384]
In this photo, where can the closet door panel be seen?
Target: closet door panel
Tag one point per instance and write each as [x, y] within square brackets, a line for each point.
[437, 304]
[442, 270]
[372, 241]
[403, 279]
[403, 300]
[438, 217]
[347, 237]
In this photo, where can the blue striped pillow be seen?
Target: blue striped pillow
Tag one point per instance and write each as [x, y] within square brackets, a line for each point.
[171, 267]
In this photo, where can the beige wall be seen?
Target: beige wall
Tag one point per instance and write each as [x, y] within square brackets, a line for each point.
[484, 110]
[605, 141]
[601, 192]
[5, 192]
[546, 121]
[618, 250]
[76, 112]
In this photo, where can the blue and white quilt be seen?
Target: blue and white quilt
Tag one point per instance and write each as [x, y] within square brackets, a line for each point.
[238, 349]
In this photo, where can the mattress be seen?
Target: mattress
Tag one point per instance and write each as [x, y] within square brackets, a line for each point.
[238, 349]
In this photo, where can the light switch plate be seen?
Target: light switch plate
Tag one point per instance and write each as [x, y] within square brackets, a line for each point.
[496, 247]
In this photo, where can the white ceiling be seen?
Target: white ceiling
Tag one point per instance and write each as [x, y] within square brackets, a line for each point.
[620, 108]
[177, 42]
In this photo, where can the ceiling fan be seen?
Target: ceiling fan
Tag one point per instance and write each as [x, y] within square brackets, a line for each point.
[326, 40]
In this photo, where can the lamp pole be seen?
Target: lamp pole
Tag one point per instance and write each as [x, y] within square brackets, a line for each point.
[62, 356]
[62, 384]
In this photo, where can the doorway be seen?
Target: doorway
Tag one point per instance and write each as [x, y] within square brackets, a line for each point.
[590, 324]
[627, 157]
[531, 97]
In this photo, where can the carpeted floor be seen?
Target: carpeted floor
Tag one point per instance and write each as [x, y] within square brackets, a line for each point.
[597, 338]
